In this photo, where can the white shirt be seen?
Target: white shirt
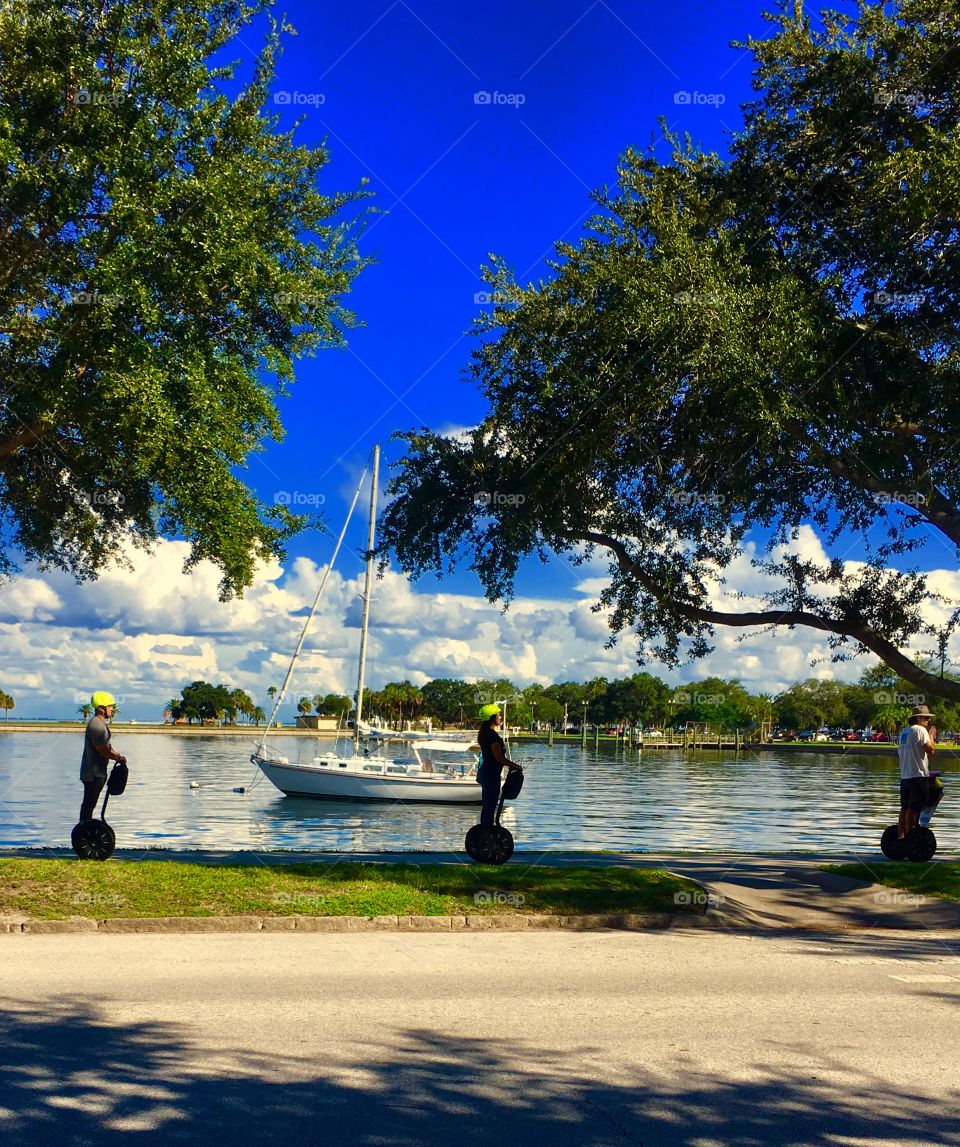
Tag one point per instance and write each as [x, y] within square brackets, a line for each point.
[913, 758]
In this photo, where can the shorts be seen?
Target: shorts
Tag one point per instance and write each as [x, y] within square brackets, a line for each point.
[915, 792]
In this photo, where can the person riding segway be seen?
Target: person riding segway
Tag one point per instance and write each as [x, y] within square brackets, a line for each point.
[92, 838]
[910, 838]
[489, 842]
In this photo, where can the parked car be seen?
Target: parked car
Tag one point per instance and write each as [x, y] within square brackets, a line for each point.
[879, 736]
[806, 735]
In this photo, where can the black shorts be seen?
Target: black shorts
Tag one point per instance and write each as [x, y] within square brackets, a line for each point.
[915, 792]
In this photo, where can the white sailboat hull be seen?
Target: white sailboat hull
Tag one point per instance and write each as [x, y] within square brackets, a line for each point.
[344, 780]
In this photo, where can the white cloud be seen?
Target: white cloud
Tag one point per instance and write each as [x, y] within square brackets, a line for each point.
[145, 632]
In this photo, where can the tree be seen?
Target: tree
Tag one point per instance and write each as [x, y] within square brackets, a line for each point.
[891, 718]
[448, 700]
[303, 706]
[85, 711]
[167, 256]
[335, 705]
[258, 716]
[398, 697]
[6, 703]
[638, 700]
[202, 701]
[734, 351]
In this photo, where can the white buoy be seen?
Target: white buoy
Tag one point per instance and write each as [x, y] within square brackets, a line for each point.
[194, 784]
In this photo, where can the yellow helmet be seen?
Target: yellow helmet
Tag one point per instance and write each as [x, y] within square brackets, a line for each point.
[488, 711]
[101, 700]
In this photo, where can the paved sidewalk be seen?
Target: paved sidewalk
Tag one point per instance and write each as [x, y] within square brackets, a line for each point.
[760, 892]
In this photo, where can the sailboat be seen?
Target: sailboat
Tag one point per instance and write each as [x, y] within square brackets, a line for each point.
[390, 766]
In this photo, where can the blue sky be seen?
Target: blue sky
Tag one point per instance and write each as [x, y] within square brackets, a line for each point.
[392, 88]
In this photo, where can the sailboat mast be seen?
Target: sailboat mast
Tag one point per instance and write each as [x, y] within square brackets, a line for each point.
[367, 587]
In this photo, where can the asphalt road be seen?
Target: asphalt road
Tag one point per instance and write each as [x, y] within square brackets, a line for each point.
[596, 1039]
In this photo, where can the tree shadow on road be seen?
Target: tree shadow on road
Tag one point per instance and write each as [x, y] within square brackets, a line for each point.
[72, 1078]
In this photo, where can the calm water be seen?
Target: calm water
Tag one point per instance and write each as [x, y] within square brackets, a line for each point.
[604, 799]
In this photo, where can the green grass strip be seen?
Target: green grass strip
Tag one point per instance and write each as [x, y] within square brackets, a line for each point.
[937, 879]
[55, 889]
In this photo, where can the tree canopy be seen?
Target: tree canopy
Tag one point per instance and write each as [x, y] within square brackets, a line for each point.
[166, 256]
[735, 348]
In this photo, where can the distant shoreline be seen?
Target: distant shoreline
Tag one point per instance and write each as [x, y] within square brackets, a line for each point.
[798, 748]
[175, 730]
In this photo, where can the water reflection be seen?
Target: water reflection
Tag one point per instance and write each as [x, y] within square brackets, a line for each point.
[602, 798]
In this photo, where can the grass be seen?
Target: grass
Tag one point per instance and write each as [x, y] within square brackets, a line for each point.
[55, 889]
[941, 879]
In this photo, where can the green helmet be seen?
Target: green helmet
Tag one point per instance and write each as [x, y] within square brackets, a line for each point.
[488, 711]
[101, 700]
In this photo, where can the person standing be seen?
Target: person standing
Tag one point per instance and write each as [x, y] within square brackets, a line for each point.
[915, 748]
[97, 752]
[493, 760]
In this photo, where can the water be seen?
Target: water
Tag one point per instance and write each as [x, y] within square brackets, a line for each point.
[572, 799]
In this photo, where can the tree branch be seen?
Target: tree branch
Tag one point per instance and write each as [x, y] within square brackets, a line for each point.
[27, 436]
[858, 631]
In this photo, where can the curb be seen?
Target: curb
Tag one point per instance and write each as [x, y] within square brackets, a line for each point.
[504, 923]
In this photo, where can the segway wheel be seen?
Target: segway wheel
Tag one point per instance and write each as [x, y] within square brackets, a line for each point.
[478, 843]
[93, 840]
[489, 845]
[502, 847]
[891, 845]
[921, 844]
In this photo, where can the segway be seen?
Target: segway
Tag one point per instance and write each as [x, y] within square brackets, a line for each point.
[495, 845]
[919, 844]
[95, 839]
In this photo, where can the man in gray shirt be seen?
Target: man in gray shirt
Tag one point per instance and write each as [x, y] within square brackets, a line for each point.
[96, 753]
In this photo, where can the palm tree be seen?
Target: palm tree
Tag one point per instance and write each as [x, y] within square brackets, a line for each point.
[6, 703]
[272, 692]
[258, 716]
[318, 703]
[303, 706]
[85, 710]
[891, 718]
